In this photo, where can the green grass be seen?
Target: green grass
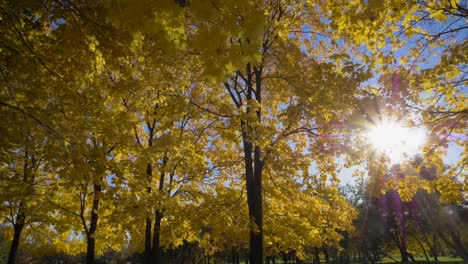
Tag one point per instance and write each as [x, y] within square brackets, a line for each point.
[445, 260]
[423, 260]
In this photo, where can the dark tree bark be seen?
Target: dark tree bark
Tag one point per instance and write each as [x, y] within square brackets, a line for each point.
[91, 240]
[156, 250]
[254, 197]
[325, 252]
[18, 225]
[400, 233]
[148, 241]
[316, 256]
[235, 257]
[158, 215]
[149, 175]
[299, 261]
[404, 255]
[434, 250]
[17, 228]
[285, 258]
[403, 243]
[253, 169]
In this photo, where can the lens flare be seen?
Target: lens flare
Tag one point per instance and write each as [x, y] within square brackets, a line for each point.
[396, 141]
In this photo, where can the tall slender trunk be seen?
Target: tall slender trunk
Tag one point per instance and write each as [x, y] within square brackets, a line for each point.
[401, 243]
[253, 168]
[149, 173]
[90, 249]
[401, 227]
[158, 215]
[235, 258]
[156, 238]
[316, 256]
[148, 240]
[404, 256]
[254, 197]
[149, 176]
[15, 243]
[91, 240]
[325, 253]
[19, 224]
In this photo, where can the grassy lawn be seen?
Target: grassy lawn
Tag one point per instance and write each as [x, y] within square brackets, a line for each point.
[423, 260]
[445, 260]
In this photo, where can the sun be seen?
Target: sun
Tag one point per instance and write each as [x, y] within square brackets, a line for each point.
[395, 140]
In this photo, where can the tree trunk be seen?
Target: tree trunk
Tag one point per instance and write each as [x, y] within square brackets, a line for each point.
[299, 261]
[156, 250]
[156, 238]
[434, 251]
[149, 173]
[401, 224]
[253, 170]
[325, 252]
[91, 240]
[235, 258]
[19, 224]
[15, 243]
[316, 256]
[254, 200]
[90, 250]
[148, 241]
[256, 215]
[404, 256]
